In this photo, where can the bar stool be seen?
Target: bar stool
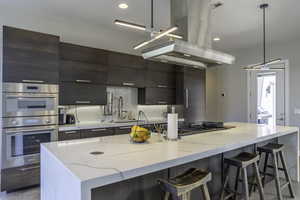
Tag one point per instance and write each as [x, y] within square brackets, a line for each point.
[276, 150]
[241, 161]
[180, 187]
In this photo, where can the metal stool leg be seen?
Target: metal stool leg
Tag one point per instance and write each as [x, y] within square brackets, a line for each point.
[277, 181]
[287, 176]
[237, 182]
[246, 192]
[258, 180]
[205, 192]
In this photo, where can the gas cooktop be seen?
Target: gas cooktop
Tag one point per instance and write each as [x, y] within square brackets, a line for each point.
[190, 129]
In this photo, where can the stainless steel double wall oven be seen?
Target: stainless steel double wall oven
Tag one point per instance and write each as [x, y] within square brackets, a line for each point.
[29, 118]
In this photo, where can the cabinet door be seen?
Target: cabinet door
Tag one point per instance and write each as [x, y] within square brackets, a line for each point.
[124, 60]
[161, 79]
[20, 177]
[123, 130]
[100, 132]
[123, 76]
[68, 135]
[30, 56]
[82, 94]
[156, 96]
[83, 54]
[80, 72]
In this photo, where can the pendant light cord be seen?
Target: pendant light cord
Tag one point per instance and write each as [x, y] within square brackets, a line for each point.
[263, 7]
[152, 14]
[264, 32]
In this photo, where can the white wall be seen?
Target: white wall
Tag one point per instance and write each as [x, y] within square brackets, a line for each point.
[233, 81]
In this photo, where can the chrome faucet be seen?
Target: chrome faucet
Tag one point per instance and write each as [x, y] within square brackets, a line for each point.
[120, 108]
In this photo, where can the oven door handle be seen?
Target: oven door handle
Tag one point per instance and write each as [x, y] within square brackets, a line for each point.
[28, 130]
[29, 96]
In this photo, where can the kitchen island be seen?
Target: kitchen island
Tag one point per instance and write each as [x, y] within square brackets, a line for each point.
[113, 168]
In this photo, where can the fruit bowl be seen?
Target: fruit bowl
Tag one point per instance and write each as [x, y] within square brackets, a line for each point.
[139, 134]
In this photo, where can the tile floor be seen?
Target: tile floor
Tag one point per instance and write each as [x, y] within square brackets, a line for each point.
[34, 194]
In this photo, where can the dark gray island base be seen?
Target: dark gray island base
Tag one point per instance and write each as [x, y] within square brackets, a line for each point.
[146, 187]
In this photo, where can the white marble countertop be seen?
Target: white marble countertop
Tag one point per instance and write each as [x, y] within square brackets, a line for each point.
[95, 125]
[123, 160]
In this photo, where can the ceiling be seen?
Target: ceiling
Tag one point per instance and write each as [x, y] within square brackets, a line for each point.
[238, 22]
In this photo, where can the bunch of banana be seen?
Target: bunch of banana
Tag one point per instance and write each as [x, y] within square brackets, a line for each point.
[139, 134]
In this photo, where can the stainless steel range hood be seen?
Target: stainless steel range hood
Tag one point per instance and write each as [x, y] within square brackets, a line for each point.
[193, 19]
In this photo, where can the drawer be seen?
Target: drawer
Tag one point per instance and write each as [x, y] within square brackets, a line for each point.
[100, 132]
[68, 135]
[20, 177]
[123, 130]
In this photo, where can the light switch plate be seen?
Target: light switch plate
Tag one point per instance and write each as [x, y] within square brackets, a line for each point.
[297, 111]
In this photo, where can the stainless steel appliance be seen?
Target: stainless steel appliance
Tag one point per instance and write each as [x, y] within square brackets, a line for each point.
[30, 117]
[24, 99]
[22, 145]
[193, 19]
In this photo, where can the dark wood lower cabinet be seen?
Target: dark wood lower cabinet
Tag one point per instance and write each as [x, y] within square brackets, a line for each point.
[68, 135]
[100, 132]
[123, 130]
[20, 177]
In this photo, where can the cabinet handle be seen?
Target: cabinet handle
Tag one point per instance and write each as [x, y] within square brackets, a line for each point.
[83, 102]
[128, 84]
[186, 98]
[28, 168]
[127, 127]
[83, 81]
[33, 81]
[102, 129]
[162, 102]
[162, 86]
[70, 132]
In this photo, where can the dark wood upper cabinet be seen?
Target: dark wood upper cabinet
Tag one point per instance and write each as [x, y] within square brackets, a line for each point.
[126, 70]
[30, 56]
[83, 64]
[82, 94]
[156, 96]
[83, 54]
[125, 76]
[125, 60]
[74, 71]
[160, 75]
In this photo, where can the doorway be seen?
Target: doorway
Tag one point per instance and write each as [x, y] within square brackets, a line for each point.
[268, 95]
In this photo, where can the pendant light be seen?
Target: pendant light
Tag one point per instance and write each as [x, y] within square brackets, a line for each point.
[156, 34]
[265, 65]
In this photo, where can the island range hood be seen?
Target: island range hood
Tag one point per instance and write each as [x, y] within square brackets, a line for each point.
[193, 19]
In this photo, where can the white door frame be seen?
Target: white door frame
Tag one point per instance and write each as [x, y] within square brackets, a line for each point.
[286, 91]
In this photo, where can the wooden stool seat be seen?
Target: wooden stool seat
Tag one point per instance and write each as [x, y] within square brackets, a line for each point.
[276, 151]
[241, 162]
[244, 159]
[271, 148]
[181, 185]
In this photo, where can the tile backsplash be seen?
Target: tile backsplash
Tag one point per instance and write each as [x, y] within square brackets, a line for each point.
[91, 114]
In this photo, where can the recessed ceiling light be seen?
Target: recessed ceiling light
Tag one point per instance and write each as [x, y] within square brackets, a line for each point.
[216, 39]
[186, 55]
[123, 5]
